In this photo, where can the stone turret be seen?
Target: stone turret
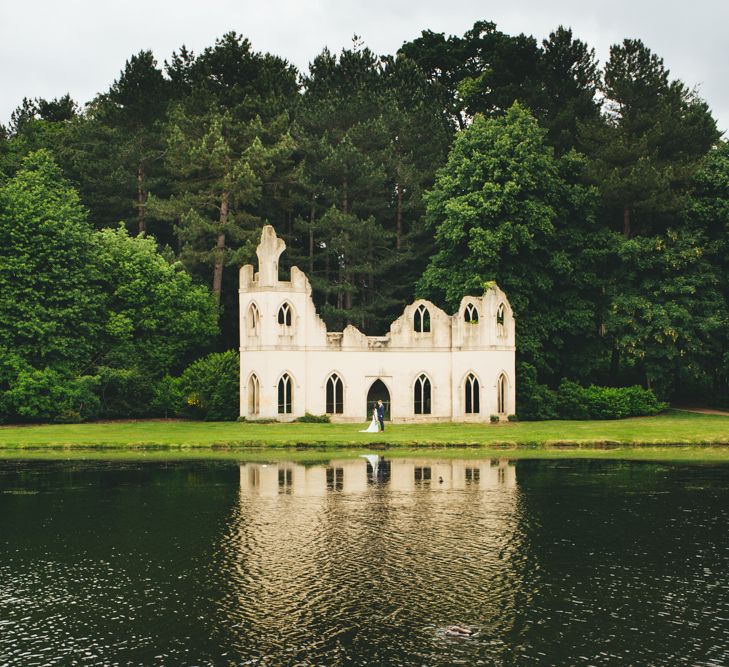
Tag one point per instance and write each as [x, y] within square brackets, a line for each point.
[269, 250]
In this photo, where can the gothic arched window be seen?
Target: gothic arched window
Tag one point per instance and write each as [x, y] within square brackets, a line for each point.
[471, 314]
[473, 402]
[421, 395]
[421, 320]
[285, 394]
[254, 320]
[335, 395]
[254, 393]
[501, 394]
[500, 328]
[284, 315]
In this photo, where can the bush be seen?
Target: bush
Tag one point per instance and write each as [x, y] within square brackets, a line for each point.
[126, 393]
[211, 387]
[593, 402]
[168, 397]
[573, 401]
[313, 419]
[51, 395]
[512, 418]
[534, 401]
[494, 419]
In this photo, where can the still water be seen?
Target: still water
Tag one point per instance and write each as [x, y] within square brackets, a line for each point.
[220, 563]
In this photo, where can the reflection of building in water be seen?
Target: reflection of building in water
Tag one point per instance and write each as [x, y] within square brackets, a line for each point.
[354, 475]
[332, 534]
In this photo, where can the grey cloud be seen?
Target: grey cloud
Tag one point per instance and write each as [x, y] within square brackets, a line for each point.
[48, 48]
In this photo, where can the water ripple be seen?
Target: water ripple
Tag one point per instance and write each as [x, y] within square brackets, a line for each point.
[281, 564]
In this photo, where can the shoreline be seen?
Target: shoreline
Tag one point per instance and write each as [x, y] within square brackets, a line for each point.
[672, 431]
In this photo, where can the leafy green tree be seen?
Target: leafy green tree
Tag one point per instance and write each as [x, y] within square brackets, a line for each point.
[707, 214]
[503, 212]
[156, 317]
[669, 315]
[49, 306]
[485, 71]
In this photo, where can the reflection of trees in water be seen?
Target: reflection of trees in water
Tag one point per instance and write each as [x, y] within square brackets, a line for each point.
[315, 554]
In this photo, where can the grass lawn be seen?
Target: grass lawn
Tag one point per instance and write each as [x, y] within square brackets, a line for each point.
[674, 428]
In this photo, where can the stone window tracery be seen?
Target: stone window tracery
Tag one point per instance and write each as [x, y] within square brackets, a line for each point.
[335, 395]
[254, 395]
[421, 320]
[500, 328]
[471, 314]
[421, 395]
[501, 394]
[254, 319]
[472, 397]
[284, 315]
[285, 394]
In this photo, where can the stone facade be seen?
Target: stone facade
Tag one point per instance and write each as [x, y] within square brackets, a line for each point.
[430, 367]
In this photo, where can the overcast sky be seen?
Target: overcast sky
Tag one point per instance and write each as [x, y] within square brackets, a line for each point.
[50, 47]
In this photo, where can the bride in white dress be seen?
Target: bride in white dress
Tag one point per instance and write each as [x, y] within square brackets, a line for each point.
[374, 425]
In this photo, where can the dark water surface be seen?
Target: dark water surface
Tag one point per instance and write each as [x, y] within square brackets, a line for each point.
[550, 562]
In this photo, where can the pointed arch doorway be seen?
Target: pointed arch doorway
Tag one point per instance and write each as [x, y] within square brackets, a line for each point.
[378, 392]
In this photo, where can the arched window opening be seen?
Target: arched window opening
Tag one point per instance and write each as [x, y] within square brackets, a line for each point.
[422, 395]
[254, 394]
[500, 328]
[285, 394]
[473, 402]
[501, 394]
[471, 314]
[422, 319]
[254, 319]
[335, 395]
[284, 315]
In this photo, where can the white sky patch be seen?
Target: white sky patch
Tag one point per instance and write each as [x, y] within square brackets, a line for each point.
[49, 47]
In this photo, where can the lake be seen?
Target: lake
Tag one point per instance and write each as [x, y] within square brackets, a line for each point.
[364, 563]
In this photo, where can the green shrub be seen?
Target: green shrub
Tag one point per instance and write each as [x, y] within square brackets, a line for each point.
[210, 387]
[572, 401]
[512, 418]
[126, 393]
[593, 402]
[51, 395]
[494, 419]
[308, 418]
[534, 401]
[168, 397]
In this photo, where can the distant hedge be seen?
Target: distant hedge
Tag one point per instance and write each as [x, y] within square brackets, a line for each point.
[573, 401]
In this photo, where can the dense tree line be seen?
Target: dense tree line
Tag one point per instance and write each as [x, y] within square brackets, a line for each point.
[597, 197]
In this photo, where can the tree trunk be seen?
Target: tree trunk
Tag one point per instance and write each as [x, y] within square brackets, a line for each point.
[311, 238]
[141, 199]
[614, 364]
[220, 248]
[398, 216]
[626, 221]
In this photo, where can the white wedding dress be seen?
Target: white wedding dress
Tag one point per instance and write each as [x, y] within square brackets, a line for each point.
[374, 426]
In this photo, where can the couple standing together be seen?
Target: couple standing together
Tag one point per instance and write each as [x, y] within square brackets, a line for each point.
[378, 419]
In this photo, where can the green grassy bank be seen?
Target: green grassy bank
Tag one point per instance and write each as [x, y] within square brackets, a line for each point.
[674, 428]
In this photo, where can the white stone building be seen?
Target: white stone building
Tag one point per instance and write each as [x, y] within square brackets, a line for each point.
[430, 367]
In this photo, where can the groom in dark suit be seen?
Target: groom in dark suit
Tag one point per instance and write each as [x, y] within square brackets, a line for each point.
[381, 415]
